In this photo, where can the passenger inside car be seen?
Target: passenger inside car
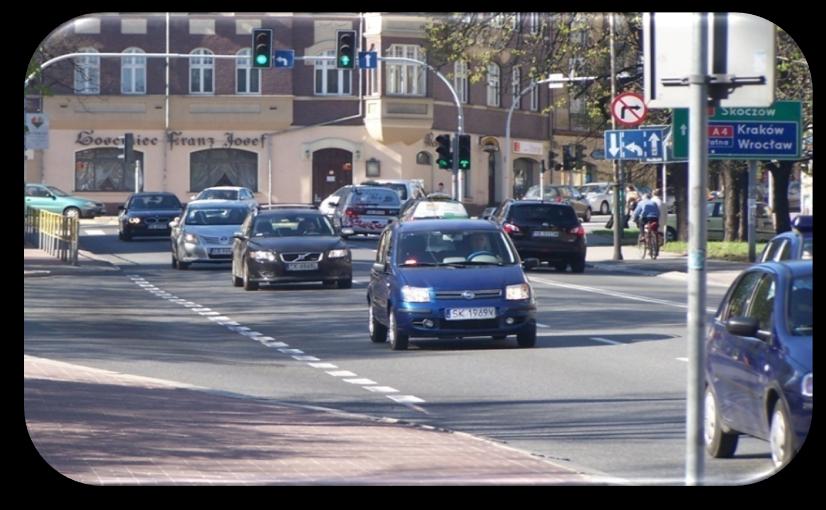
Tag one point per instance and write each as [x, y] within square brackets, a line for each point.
[414, 250]
[308, 227]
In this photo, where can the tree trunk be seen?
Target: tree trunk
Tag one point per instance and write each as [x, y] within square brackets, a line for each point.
[744, 207]
[679, 181]
[780, 201]
[731, 204]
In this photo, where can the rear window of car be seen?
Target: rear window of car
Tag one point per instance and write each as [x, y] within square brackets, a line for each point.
[398, 187]
[375, 196]
[219, 194]
[801, 307]
[440, 210]
[543, 212]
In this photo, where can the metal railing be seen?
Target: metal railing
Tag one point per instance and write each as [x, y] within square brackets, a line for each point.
[53, 233]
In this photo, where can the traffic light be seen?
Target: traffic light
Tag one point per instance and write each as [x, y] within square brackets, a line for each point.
[445, 152]
[553, 161]
[262, 47]
[464, 152]
[345, 49]
[567, 157]
[129, 150]
[579, 155]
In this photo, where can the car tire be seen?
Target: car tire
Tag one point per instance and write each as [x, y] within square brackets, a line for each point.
[587, 216]
[180, 264]
[719, 443]
[561, 267]
[604, 208]
[72, 212]
[174, 262]
[398, 340]
[378, 331]
[527, 338]
[329, 284]
[578, 266]
[124, 236]
[780, 435]
[236, 282]
[345, 284]
[248, 284]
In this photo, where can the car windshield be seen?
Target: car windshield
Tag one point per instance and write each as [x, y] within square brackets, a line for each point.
[57, 191]
[398, 187]
[459, 248]
[217, 216]
[376, 196]
[292, 225]
[218, 194]
[801, 316]
[149, 202]
[440, 210]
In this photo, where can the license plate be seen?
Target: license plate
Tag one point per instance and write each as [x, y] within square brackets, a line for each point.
[461, 314]
[157, 226]
[302, 266]
[375, 212]
[545, 233]
[220, 251]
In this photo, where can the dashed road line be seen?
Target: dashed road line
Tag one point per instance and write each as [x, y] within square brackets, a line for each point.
[682, 359]
[361, 381]
[606, 341]
[341, 373]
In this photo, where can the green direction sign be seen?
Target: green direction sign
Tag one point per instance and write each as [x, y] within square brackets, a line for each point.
[745, 133]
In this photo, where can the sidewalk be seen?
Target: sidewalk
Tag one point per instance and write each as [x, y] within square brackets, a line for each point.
[37, 262]
[104, 428]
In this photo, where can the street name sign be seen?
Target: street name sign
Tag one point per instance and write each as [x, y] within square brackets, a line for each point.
[636, 144]
[746, 133]
[284, 58]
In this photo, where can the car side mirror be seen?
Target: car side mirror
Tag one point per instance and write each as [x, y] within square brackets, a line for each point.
[530, 263]
[742, 326]
[379, 267]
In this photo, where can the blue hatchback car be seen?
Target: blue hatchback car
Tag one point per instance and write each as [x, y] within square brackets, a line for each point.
[796, 244]
[449, 279]
[758, 361]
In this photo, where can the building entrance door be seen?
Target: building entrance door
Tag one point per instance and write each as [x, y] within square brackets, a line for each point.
[332, 169]
[524, 176]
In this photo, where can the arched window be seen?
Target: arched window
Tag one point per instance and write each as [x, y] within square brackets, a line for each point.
[330, 81]
[223, 167]
[201, 72]
[133, 72]
[87, 73]
[100, 169]
[493, 85]
[247, 78]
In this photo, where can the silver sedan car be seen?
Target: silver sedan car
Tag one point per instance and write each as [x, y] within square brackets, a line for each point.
[204, 231]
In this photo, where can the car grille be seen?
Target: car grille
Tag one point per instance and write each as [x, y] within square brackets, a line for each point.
[215, 240]
[477, 294]
[156, 219]
[301, 257]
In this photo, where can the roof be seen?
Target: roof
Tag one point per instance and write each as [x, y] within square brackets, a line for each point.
[451, 224]
[233, 188]
[795, 267]
[288, 209]
[151, 193]
[216, 202]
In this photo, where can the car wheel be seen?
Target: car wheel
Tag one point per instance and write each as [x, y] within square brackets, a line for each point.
[719, 444]
[71, 212]
[780, 435]
[345, 284]
[398, 340]
[561, 267]
[670, 234]
[578, 266]
[125, 236]
[329, 284]
[527, 338]
[378, 332]
[587, 216]
[180, 264]
[248, 285]
[604, 208]
[236, 281]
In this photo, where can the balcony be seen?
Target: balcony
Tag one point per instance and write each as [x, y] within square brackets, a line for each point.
[398, 119]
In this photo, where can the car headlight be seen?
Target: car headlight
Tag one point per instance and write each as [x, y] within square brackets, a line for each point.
[134, 221]
[337, 254]
[415, 294]
[191, 238]
[517, 292]
[263, 255]
[807, 385]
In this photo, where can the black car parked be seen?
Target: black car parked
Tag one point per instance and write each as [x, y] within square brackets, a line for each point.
[290, 244]
[547, 231]
[147, 214]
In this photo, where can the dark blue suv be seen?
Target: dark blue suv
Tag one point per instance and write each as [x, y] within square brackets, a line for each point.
[758, 361]
[448, 279]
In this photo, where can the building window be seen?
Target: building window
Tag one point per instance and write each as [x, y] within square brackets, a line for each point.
[533, 22]
[493, 85]
[87, 73]
[100, 169]
[223, 167]
[133, 72]
[201, 72]
[373, 80]
[516, 79]
[578, 115]
[406, 79]
[330, 81]
[247, 78]
[535, 98]
[460, 80]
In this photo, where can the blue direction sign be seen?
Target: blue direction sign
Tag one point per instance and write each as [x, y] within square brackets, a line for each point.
[284, 58]
[368, 59]
[637, 144]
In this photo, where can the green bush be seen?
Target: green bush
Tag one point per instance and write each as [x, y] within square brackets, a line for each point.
[721, 250]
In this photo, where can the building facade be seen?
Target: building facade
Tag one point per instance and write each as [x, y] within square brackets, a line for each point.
[290, 135]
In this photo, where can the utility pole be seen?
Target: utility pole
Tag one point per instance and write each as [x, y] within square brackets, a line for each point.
[618, 185]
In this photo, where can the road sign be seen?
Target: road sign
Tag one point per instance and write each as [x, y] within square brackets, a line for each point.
[284, 58]
[746, 133]
[629, 109]
[368, 59]
[37, 131]
[636, 144]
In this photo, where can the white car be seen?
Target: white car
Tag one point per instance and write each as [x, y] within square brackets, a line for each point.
[599, 195]
[408, 189]
[328, 205]
[204, 231]
[236, 193]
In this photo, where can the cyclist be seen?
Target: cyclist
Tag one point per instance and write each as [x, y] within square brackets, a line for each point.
[646, 212]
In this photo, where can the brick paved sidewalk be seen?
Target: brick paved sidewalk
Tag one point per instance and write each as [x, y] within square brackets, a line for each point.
[105, 428]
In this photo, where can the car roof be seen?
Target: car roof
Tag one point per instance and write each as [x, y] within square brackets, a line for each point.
[153, 193]
[532, 201]
[288, 209]
[795, 267]
[215, 202]
[233, 188]
[451, 224]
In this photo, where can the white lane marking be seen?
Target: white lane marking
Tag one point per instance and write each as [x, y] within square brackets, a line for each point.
[251, 334]
[229, 323]
[322, 365]
[220, 318]
[202, 309]
[607, 292]
[306, 358]
[361, 380]
[209, 313]
[606, 341]
[381, 389]
[405, 399]
[238, 328]
[682, 359]
[273, 344]
[540, 325]
[291, 351]
[341, 373]
[190, 304]
[94, 232]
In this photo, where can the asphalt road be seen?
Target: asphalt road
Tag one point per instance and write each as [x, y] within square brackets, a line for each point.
[603, 391]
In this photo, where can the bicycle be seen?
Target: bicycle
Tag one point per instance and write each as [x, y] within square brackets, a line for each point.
[648, 242]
